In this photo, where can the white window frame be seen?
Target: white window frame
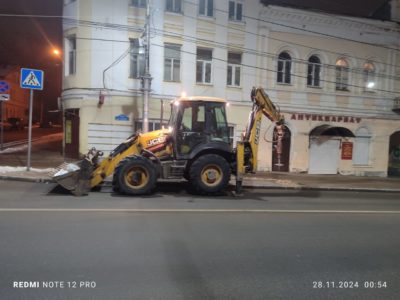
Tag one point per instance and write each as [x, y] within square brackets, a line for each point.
[232, 71]
[369, 77]
[154, 124]
[342, 73]
[285, 74]
[204, 64]
[172, 62]
[233, 11]
[139, 3]
[70, 53]
[137, 56]
[206, 4]
[314, 66]
[174, 7]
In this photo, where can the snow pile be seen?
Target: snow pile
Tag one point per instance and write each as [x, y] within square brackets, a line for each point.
[13, 150]
[7, 169]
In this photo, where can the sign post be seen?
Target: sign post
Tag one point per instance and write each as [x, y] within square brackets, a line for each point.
[31, 79]
[4, 88]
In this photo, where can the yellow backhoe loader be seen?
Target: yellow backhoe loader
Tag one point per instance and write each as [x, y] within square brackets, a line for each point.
[195, 145]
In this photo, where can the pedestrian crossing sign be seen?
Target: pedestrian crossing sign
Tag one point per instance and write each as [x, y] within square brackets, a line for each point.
[32, 79]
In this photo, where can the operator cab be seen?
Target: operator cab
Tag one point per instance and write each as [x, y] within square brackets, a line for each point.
[199, 123]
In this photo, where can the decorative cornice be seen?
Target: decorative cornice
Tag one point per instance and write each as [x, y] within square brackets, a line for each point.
[302, 18]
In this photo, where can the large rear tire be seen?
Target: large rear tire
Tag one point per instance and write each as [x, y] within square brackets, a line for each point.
[135, 175]
[209, 174]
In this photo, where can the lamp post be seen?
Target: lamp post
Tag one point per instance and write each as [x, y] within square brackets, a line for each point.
[57, 53]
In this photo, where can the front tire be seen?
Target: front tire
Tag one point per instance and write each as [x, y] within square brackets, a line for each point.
[135, 175]
[209, 174]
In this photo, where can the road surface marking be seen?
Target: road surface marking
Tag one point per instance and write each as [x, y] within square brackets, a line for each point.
[157, 210]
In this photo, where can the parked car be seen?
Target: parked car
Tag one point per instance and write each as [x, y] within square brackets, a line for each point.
[16, 123]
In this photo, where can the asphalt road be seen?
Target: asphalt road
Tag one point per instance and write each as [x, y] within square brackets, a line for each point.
[172, 245]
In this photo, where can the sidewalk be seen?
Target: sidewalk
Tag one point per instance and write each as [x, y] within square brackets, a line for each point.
[46, 155]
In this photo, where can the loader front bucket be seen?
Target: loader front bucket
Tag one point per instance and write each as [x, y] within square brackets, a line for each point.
[74, 177]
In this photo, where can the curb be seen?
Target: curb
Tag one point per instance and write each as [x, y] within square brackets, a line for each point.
[245, 185]
[322, 188]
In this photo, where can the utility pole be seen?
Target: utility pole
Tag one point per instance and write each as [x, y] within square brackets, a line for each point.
[146, 79]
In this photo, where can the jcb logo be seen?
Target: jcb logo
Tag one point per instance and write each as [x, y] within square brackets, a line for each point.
[257, 135]
[156, 141]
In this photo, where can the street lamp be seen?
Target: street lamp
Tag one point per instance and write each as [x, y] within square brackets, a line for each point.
[56, 52]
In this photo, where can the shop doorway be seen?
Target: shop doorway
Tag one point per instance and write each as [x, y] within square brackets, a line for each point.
[394, 155]
[324, 154]
[281, 164]
[71, 133]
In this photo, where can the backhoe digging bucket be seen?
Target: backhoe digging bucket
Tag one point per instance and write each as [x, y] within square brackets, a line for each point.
[75, 177]
[66, 175]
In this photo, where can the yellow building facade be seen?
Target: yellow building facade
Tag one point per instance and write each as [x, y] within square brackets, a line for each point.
[335, 78]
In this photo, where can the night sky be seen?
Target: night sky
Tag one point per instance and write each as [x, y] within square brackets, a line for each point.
[27, 42]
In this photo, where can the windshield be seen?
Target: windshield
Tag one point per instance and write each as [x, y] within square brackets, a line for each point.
[173, 116]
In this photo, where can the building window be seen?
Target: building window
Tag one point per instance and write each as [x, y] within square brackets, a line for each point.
[206, 8]
[138, 62]
[369, 76]
[361, 147]
[203, 65]
[235, 11]
[234, 69]
[174, 6]
[314, 71]
[284, 68]
[153, 125]
[172, 62]
[139, 3]
[342, 75]
[71, 55]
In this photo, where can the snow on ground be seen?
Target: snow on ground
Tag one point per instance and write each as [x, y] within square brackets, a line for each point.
[14, 150]
[43, 140]
[7, 169]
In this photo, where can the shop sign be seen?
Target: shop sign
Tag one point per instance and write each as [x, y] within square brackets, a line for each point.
[68, 131]
[347, 150]
[322, 118]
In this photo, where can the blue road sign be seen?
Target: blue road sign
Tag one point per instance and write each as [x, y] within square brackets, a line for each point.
[32, 79]
[4, 86]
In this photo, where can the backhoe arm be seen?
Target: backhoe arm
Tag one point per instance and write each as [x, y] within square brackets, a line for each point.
[247, 149]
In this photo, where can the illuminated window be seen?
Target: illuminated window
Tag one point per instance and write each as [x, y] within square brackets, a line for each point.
[369, 76]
